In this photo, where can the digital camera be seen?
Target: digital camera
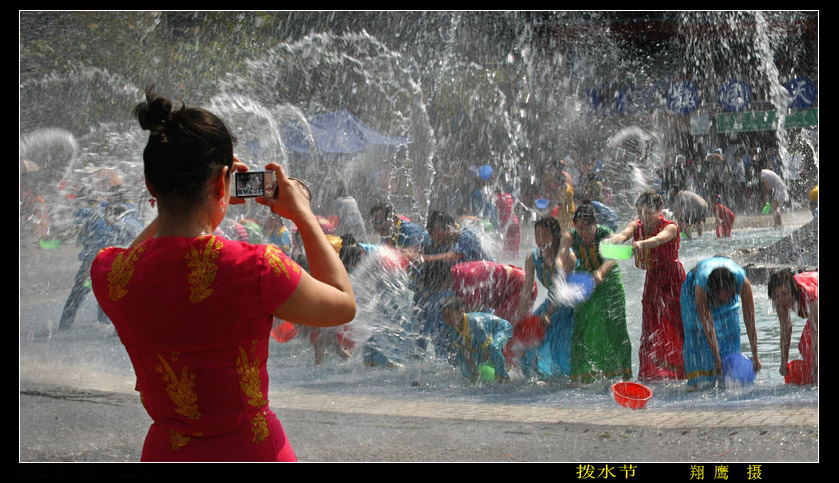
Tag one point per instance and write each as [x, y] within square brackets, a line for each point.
[250, 184]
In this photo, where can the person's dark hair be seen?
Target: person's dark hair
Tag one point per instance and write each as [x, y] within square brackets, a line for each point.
[384, 209]
[439, 219]
[719, 279]
[586, 213]
[436, 275]
[351, 252]
[551, 224]
[781, 278]
[186, 148]
[649, 197]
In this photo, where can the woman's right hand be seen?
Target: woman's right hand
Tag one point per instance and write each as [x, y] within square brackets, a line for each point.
[290, 201]
[237, 167]
[324, 295]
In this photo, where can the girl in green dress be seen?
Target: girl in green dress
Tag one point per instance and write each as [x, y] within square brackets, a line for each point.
[600, 345]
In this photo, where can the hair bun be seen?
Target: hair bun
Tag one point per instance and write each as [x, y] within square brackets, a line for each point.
[155, 114]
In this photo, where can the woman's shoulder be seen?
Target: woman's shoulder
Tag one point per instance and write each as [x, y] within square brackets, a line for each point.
[204, 245]
[115, 252]
[708, 265]
[809, 282]
[604, 231]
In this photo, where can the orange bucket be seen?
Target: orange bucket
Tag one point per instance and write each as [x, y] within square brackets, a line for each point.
[283, 331]
[631, 395]
[529, 331]
[798, 372]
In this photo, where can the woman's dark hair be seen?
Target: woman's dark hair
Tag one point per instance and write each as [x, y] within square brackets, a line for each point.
[719, 279]
[439, 219]
[586, 213]
[186, 148]
[553, 226]
[786, 277]
[649, 197]
[436, 275]
[351, 252]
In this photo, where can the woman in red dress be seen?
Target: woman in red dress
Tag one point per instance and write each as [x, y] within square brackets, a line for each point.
[798, 292]
[194, 310]
[723, 219]
[656, 248]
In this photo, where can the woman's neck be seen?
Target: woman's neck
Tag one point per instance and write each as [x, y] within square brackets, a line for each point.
[550, 252]
[183, 224]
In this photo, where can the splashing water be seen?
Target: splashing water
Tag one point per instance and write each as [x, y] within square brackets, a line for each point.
[516, 107]
[565, 293]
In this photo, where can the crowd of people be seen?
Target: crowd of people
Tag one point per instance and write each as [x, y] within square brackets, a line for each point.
[223, 288]
[690, 321]
[583, 339]
[721, 187]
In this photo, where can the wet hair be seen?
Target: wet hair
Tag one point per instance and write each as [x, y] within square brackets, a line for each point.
[351, 252]
[439, 219]
[649, 197]
[779, 279]
[586, 213]
[786, 277]
[436, 275]
[186, 149]
[551, 224]
[720, 279]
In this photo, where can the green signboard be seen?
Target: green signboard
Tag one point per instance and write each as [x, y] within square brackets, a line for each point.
[765, 120]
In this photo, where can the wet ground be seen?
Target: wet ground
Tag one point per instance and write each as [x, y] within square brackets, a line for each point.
[62, 423]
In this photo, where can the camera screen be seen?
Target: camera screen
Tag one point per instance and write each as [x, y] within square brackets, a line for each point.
[249, 184]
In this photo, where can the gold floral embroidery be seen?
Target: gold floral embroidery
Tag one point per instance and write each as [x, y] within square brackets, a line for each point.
[278, 261]
[121, 271]
[249, 379]
[259, 426]
[181, 390]
[177, 440]
[202, 269]
[251, 384]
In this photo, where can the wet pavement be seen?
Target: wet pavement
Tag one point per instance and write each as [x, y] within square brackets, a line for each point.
[62, 423]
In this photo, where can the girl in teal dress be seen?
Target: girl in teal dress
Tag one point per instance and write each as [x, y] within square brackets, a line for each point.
[553, 356]
[600, 345]
[480, 338]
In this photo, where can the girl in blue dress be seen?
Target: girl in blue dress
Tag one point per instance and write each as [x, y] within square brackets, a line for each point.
[712, 296]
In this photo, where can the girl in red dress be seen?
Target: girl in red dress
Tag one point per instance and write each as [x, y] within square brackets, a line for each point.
[800, 293]
[656, 248]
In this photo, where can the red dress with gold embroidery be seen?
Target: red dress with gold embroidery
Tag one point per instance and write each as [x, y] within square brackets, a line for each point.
[194, 315]
[662, 334]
